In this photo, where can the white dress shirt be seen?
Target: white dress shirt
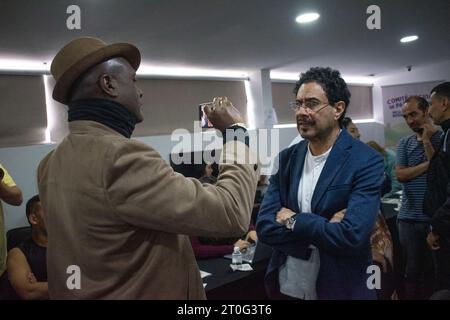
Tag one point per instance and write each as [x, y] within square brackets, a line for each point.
[298, 277]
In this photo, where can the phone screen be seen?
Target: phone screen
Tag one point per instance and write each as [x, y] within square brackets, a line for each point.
[205, 123]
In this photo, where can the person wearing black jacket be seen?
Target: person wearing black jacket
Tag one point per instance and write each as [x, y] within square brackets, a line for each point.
[437, 197]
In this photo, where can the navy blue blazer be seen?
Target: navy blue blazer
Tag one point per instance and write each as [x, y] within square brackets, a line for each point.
[351, 179]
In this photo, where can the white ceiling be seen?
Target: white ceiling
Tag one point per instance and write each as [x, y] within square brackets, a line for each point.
[238, 34]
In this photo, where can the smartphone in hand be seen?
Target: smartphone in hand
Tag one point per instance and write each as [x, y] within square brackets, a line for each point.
[205, 123]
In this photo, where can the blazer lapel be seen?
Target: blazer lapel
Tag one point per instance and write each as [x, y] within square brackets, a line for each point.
[296, 168]
[338, 156]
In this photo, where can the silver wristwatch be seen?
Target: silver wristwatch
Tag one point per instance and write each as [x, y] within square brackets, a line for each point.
[290, 223]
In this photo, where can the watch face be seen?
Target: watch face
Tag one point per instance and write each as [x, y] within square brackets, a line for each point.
[290, 223]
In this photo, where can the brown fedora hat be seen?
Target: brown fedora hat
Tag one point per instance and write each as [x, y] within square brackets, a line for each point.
[79, 55]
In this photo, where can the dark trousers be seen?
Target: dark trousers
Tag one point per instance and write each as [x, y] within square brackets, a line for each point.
[399, 264]
[417, 258]
[441, 259]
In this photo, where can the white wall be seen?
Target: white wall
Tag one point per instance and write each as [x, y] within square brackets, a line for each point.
[22, 163]
[371, 131]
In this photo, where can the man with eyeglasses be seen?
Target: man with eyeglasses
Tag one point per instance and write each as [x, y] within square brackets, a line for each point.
[320, 208]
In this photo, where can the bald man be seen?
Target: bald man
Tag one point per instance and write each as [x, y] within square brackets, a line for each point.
[118, 217]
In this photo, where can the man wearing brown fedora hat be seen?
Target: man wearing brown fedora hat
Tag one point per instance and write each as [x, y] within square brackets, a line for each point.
[115, 211]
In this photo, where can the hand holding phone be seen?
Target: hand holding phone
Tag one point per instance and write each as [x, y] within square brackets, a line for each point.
[222, 114]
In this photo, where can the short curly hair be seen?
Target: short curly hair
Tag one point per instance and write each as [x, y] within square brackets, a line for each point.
[331, 82]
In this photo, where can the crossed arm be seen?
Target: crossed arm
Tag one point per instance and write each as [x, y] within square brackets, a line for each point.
[344, 238]
[22, 279]
[405, 174]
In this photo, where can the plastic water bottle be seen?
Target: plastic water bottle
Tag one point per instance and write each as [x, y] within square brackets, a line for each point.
[236, 257]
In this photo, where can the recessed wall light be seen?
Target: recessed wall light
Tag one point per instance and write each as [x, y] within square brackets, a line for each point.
[409, 39]
[148, 70]
[307, 17]
[17, 65]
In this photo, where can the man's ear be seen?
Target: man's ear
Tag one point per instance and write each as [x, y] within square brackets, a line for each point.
[108, 85]
[446, 102]
[33, 218]
[339, 108]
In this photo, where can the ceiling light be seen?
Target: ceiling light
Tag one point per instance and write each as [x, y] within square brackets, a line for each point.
[307, 17]
[409, 38]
